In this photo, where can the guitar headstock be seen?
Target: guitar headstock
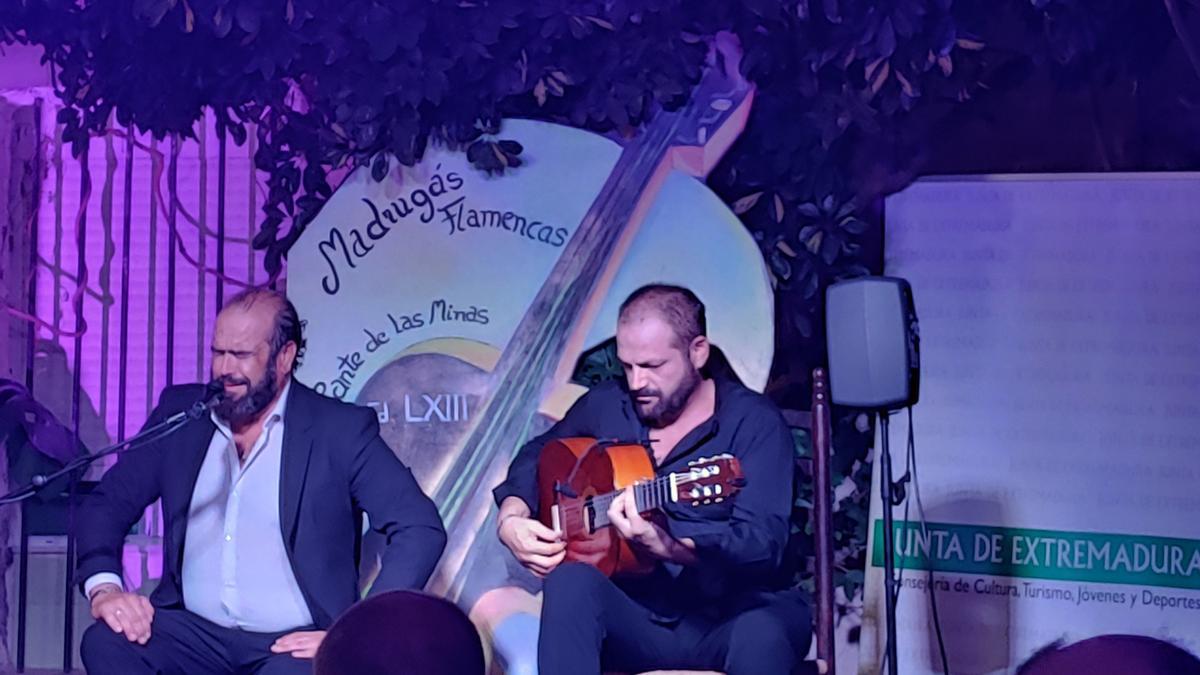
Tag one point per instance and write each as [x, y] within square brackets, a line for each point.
[710, 480]
[716, 112]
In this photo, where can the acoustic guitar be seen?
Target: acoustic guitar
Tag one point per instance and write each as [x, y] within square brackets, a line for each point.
[578, 478]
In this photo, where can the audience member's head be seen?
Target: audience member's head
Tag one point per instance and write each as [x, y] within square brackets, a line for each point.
[398, 633]
[1112, 655]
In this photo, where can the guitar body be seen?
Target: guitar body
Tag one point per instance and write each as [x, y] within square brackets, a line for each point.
[588, 469]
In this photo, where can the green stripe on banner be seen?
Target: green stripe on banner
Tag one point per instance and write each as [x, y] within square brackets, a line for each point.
[1044, 554]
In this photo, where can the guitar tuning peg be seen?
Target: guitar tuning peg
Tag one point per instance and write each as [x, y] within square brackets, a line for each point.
[720, 499]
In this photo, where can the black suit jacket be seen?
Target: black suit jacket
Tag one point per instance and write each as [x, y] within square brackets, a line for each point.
[334, 466]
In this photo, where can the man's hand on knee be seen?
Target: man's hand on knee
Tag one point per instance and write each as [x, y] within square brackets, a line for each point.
[127, 613]
[301, 644]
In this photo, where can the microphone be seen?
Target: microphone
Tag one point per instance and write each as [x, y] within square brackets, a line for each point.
[214, 391]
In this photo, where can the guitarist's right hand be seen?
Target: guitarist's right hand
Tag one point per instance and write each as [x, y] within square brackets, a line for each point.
[534, 545]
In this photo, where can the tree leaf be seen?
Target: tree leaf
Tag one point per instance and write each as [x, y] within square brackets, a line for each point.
[880, 78]
[853, 225]
[845, 210]
[746, 203]
[885, 39]
[813, 244]
[379, 169]
[238, 131]
[780, 265]
[152, 11]
[810, 291]
[946, 64]
[905, 85]
[873, 67]
[222, 22]
[830, 247]
[832, 13]
[247, 17]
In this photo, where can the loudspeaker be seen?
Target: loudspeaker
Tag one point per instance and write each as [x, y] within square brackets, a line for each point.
[872, 339]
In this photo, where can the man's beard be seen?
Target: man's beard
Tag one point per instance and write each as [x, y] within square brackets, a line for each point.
[666, 409]
[238, 411]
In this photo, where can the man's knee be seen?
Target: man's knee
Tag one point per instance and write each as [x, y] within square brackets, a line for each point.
[286, 665]
[101, 648]
[762, 638]
[760, 630]
[573, 583]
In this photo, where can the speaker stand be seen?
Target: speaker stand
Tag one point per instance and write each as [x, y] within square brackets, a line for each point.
[889, 547]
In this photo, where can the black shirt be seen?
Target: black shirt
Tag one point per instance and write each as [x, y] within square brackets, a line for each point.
[741, 544]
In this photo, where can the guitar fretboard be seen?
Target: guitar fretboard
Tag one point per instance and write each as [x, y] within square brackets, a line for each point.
[648, 496]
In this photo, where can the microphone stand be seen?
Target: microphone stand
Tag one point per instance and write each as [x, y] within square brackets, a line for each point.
[145, 436]
[888, 496]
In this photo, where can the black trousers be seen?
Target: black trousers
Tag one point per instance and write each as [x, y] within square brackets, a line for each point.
[589, 624]
[182, 643]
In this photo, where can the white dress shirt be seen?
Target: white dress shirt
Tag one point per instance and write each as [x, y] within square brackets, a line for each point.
[236, 571]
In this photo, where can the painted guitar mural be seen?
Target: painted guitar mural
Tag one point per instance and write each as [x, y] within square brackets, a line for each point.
[458, 305]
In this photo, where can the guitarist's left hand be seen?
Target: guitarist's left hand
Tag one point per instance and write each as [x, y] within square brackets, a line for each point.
[648, 535]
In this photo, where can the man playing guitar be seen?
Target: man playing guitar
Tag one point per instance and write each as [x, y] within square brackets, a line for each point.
[718, 594]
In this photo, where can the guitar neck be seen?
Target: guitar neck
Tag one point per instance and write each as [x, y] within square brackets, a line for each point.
[648, 496]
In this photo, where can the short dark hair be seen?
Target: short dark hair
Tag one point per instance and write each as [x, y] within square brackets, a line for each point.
[1112, 654]
[287, 328]
[676, 305]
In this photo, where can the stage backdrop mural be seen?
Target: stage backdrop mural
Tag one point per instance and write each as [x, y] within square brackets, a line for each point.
[457, 304]
[1059, 421]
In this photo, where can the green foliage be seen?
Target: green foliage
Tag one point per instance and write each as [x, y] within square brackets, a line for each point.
[597, 365]
[846, 89]
[331, 84]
